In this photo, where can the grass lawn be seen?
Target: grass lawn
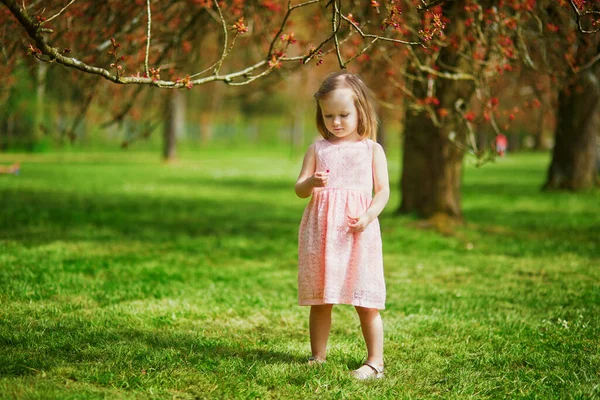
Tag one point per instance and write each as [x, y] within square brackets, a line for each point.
[121, 277]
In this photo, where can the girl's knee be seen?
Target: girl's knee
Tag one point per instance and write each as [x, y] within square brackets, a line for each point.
[367, 312]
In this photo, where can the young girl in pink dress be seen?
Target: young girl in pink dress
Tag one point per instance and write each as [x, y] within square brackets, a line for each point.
[339, 242]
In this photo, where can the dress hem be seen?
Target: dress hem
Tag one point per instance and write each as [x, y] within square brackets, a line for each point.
[304, 303]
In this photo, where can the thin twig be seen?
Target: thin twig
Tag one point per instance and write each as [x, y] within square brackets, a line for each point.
[590, 63]
[284, 21]
[335, 26]
[147, 70]
[383, 38]
[225, 40]
[580, 16]
[55, 15]
[456, 76]
[428, 6]
[216, 62]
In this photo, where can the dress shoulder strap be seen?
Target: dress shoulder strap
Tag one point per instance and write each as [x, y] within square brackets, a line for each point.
[370, 146]
[319, 144]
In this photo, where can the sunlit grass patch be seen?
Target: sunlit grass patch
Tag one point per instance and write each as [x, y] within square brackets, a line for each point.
[121, 277]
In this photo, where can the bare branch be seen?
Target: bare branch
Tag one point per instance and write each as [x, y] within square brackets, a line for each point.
[225, 40]
[427, 6]
[335, 26]
[284, 22]
[44, 51]
[581, 15]
[57, 14]
[382, 38]
[454, 76]
[146, 69]
[590, 63]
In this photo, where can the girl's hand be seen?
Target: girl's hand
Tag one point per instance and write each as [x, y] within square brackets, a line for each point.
[358, 224]
[320, 179]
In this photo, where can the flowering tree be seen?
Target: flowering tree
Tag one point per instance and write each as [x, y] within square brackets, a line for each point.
[185, 43]
[575, 153]
[448, 88]
[441, 56]
[176, 25]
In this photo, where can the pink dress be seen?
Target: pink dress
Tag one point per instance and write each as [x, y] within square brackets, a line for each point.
[336, 266]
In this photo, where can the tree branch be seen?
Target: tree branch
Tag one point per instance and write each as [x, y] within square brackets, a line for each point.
[57, 14]
[146, 69]
[377, 37]
[581, 15]
[225, 40]
[335, 26]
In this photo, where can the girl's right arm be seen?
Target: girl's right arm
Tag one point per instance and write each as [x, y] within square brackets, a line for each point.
[309, 179]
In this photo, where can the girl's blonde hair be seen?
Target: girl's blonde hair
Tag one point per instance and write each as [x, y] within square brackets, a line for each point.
[367, 117]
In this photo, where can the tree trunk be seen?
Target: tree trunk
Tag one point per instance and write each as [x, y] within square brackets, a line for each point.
[432, 163]
[538, 138]
[40, 104]
[431, 170]
[174, 124]
[574, 157]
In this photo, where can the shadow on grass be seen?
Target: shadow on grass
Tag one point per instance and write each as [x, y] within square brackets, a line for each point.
[525, 220]
[129, 350]
[269, 185]
[34, 217]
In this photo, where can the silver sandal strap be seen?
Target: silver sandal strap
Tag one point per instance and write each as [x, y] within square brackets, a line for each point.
[375, 367]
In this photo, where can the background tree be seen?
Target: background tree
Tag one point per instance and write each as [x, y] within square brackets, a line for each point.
[452, 87]
[575, 153]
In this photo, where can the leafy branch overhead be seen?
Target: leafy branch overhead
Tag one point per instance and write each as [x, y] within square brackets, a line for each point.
[266, 18]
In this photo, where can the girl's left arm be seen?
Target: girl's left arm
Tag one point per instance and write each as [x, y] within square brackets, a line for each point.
[381, 187]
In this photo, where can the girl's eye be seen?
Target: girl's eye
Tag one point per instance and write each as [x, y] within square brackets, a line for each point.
[327, 116]
[344, 115]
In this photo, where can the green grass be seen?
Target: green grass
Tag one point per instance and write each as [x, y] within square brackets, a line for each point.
[121, 277]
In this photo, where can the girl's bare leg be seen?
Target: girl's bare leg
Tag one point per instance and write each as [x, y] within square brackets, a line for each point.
[320, 326]
[372, 329]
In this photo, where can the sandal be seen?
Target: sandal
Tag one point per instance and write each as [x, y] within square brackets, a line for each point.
[376, 372]
[312, 360]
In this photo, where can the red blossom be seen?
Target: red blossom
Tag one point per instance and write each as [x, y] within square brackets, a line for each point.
[239, 26]
[470, 116]
[203, 3]
[187, 82]
[274, 62]
[510, 23]
[33, 50]
[271, 5]
[288, 37]
[351, 18]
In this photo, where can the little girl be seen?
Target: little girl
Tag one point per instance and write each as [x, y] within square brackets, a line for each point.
[339, 252]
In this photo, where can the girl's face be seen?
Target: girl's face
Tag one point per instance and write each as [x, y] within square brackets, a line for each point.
[340, 115]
